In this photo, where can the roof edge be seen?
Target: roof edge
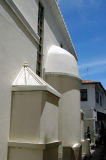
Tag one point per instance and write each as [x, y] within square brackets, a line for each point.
[93, 82]
[64, 26]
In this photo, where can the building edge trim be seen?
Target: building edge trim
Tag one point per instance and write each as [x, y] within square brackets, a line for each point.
[22, 19]
[19, 144]
[36, 88]
[64, 74]
[65, 29]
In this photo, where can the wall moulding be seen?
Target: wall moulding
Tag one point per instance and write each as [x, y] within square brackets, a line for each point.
[22, 19]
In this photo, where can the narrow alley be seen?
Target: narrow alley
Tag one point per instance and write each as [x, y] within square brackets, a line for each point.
[99, 154]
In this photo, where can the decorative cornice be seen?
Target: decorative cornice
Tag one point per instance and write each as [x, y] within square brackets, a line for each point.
[22, 19]
[63, 74]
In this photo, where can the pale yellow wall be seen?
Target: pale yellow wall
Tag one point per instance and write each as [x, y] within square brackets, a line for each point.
[24, 154]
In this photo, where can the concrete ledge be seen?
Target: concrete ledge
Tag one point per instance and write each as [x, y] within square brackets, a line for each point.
[22, 88]
[26, 145]
[63, 74]
[53, 144]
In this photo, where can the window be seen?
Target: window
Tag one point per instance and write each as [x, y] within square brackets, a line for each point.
[61, 45]
[83, 94]
[97, 97]
[40, 33]
[100, 100]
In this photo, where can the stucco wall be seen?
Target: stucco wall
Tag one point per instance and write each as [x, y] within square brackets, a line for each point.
[69, 108]
[52, 32]
[24, 153]
[15, 48]
[102, 94]
[29, 10]
[90, 103]
[49, 124]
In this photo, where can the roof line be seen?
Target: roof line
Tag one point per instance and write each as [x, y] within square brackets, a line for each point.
[94, 82]
[64, 26]
[67, 31]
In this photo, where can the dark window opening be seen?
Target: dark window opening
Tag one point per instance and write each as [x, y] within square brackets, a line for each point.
[40, 33]
[83, 94]
[97, 97]
[61, 45]
[100, 100]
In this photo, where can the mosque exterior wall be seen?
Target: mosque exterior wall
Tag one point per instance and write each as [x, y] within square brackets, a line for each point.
[19, 42]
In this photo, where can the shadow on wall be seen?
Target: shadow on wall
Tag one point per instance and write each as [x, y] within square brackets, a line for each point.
[63, 80]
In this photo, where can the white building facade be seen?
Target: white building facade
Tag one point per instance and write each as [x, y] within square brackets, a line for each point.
[34, 31]
[93, 103]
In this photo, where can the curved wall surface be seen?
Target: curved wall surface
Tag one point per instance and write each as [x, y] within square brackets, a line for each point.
[62, 73]
[61, 61]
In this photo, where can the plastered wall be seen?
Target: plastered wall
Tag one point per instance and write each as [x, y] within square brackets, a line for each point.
[24, 153]
[49, 124]
[69, 108]
[15, 48]
[52, 32]
[90, 103]
[29, 10]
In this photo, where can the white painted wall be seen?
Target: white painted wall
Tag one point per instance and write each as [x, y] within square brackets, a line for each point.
[88, 106]
[29, 10]
[52, 32]
[69, 108]
[102, 94]
[49, 124]
[15, 48]
[70, 113]
[90, 103]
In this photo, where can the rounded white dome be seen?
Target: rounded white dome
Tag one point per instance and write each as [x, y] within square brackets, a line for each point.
[61, 61]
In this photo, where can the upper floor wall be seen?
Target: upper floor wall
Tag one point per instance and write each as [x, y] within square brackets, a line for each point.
[54, 30]
[100, 96]
[18, 43]
[95, 96]
[29, 10]
[90, 101]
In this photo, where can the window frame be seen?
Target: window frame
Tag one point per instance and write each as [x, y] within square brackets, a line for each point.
[97, 97]
[40, 33]
[83, 94]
